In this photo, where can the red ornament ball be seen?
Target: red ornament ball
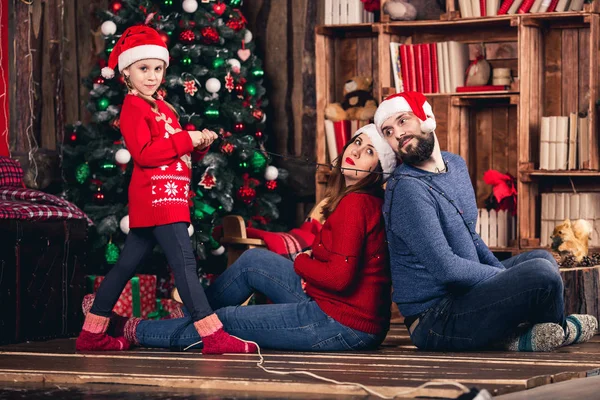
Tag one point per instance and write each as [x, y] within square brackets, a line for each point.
[239, 89]
[271, 185]
[209, 35]
[73, 136]
[116, 6]
[122, 79]
[187, 36]
[246, 194]
[258, 134]
[239, 127]
[99, 80]
[189, 127]
[257, 114]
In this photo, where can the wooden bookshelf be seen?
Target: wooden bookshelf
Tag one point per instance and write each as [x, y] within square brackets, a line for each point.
[555, 57]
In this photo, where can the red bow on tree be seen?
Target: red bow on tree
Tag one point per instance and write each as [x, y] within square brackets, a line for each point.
[504, 192]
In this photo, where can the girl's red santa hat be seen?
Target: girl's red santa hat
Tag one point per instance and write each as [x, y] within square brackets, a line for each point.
[138, 42]
[414, 102]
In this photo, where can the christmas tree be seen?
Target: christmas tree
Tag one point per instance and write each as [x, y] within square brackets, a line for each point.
[214, 81]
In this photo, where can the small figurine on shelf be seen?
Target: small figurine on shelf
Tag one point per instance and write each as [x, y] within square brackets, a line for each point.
[572, 239]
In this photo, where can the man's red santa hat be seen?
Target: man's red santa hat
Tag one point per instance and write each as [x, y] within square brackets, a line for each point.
[138, 42]
[405, 102]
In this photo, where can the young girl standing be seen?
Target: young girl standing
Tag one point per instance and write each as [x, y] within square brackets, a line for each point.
[335, 299]
[158, 195]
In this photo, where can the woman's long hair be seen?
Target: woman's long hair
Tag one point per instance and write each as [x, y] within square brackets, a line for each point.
[336, 185]
[149, 99]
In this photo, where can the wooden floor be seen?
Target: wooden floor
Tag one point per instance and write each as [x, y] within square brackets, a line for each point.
[396, 367]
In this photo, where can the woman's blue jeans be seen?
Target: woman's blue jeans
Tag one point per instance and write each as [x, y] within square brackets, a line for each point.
[530, 290]
[293, 322]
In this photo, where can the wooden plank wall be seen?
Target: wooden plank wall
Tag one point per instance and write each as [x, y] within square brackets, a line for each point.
[52, 49]
[284, 33]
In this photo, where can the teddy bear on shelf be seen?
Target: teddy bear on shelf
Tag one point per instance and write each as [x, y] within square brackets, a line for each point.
[358, 101]
[572, 238]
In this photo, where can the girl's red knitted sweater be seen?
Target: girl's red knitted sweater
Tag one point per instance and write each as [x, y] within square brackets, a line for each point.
[348, 275]
[158, 192]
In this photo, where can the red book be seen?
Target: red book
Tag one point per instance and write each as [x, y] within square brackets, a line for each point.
[482, 7]
[525, 6]
[412, 67]
[342, 134]
[484, 88]
[552, 6]
[435, 78]
[404, 67]
[505, 6]
[418, 67]
[426, 58]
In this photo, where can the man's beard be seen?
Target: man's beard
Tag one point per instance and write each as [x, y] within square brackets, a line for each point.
[420, 152]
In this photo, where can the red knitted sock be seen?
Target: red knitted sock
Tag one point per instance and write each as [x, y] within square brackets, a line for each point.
[129, 329]
[116, 325]
[93, 336]
[216, 341]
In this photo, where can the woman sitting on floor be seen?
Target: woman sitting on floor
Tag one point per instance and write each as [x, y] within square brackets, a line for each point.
[333, 297]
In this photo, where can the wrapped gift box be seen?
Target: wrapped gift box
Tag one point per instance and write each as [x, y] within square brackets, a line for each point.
[138, 299]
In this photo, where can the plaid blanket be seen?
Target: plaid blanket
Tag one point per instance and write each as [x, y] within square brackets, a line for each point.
[33, 205]
[288, 244]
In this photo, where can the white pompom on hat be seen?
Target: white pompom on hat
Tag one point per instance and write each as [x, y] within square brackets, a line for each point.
[386, 155]
[138, 42]
[414, 102]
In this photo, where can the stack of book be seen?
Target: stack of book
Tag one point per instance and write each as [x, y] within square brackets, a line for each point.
[338, 133]
[429, 67]
[346, 12]
[487, 8]
[496, 228]
[556, 207]
[565, 143]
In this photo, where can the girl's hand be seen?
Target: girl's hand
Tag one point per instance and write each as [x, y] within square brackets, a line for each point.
[303, 284]
[202, 139]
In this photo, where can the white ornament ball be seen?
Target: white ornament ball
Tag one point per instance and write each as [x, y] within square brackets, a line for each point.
[235, 63]
[124, 224]
[108, 28]
[189, 6]
[191, 230]
[123, 156]
[218, 251]
[247, 36]
[271, 173]
[213, 85]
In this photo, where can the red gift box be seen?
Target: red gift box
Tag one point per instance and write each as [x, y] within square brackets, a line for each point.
[138, 299]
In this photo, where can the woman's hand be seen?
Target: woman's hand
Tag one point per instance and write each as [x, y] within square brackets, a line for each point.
[202, 139]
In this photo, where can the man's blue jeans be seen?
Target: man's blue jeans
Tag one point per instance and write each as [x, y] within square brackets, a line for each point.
[294, 322]
[530, 290]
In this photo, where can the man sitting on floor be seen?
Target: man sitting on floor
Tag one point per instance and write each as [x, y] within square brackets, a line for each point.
[453, 292]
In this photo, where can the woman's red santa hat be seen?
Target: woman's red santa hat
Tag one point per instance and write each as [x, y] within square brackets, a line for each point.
[414, 102]
[137, 43]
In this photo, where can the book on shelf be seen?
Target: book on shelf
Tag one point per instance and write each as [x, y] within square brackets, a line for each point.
[556, 207]
[483, 88]
[515, 6]
[337, 133]
[429, 67]
[563, 141]
[396, 66]
[346, 12]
